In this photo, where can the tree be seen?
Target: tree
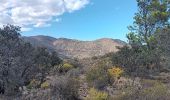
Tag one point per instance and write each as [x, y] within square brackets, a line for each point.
[10, 66]
[163, 38]
[20, 62]
[55, 59]
[144, 54]
[152, 15]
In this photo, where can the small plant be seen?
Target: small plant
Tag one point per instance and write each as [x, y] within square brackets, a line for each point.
[62, 68]
[45, 85]
[115, 72]
[65, 88]
[33, 84]
[97, 77]
[158, 91]
[96, 95]
[67, 67]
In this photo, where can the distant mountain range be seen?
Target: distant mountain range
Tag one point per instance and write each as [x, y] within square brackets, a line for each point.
[75, 48]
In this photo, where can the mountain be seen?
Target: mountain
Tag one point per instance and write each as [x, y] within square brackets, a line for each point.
[75, 48]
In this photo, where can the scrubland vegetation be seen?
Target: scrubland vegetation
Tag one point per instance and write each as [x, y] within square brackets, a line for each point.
[138, 71]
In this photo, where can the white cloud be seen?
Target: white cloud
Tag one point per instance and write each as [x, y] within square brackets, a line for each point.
[25, 29]
[36, 13]
[58, 19]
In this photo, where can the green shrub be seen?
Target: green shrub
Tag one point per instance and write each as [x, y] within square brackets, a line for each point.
[97, 77]
[33, 84]
[63, 68]
[158, 91]
[45, 85]
[65, 88]
[137, 61]
[67, 67]
[97, 95]
[149, 83]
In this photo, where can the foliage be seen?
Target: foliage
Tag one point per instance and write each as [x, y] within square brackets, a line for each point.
[65, 88]
[33, 84]
[63, 68]
[67, 66]
[55, 60]
[137, 62]
[158, 91]
[98, 77]
[102, 75]
[76, 72]
[163, 39]
[45, 85]
[115, 72]
[151, 16]
[20, 61]
[144, 56]
[149, 83]
[96, 95]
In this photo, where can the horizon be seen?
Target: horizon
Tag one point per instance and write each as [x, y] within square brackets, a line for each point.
[84, 20]
[74, 39]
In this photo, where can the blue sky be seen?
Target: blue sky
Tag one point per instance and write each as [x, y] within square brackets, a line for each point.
[93, 20]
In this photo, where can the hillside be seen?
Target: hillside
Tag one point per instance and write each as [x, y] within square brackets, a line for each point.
[74, 48]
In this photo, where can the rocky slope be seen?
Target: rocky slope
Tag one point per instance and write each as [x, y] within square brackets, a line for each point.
[76, 49]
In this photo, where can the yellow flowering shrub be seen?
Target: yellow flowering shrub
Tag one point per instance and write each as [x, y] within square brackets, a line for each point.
[96, 95]
[115, 72]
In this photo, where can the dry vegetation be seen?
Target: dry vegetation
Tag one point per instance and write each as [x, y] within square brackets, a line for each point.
[138, 71]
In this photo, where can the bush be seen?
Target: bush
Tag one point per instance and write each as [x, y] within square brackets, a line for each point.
[63, 68]
[96, 95]
[115, 72]
[158, 91]
[97, 77]
[147, 83]
[45, 85]
[137, 61]
[33, 84]
[76, 72]
[67, 67]
[20, 61]
[163, 39]
[65, 88]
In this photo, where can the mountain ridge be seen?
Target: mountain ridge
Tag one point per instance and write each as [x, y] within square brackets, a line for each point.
[73, 48]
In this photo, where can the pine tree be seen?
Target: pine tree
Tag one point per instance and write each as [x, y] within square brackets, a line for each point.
[152, 16]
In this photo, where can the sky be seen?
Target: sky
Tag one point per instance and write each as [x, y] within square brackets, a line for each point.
[75, 19]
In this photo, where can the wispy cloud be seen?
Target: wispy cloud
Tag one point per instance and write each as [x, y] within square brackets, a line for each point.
[25, 29]
[36, 13]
